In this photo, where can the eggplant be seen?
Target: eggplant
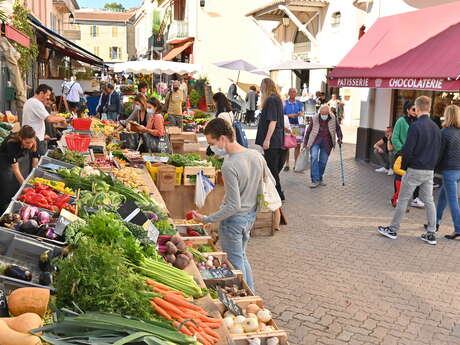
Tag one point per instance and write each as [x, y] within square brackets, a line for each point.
[42, 230]
[44, 262]
[30, 227]
[18, 272]
[45, 278]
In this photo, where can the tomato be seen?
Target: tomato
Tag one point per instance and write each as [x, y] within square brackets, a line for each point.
[189, 215]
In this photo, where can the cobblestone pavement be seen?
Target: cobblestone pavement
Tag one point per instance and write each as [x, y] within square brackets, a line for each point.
[330, 278]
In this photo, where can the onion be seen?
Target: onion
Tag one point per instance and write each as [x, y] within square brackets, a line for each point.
[237, 329]
[264, 315]
[240, 319]
[228, 321]
[252, 308]
[250, 325]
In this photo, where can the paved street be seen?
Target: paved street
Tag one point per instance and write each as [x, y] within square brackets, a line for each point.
[330, 278]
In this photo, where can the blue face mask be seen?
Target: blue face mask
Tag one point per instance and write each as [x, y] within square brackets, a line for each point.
[137, 107]
[217, 151]
[324, 117]
[149, 111]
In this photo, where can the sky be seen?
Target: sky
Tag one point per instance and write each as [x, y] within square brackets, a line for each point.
[101, 3]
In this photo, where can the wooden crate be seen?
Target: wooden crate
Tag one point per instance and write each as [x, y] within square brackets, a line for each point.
[238, 280]
[242, 339]
[264, 224]
[166, 178]
[210, 172]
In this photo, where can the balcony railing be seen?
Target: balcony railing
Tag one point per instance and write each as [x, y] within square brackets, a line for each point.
[178, 29]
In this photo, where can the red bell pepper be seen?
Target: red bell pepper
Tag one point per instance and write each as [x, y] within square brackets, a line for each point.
[189, 215]
[193, 233]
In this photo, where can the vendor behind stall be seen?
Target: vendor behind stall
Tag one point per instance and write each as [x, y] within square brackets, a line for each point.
[35, 114]
[18, 155]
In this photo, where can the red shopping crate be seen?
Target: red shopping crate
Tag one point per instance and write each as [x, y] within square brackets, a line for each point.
[82, 124]
[78, 142]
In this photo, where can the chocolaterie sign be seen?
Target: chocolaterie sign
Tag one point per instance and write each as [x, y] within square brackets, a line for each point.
[437, 84]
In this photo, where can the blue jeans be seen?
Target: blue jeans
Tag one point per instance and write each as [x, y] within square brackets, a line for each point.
[319, 157]
[234, 233]
[448, 194]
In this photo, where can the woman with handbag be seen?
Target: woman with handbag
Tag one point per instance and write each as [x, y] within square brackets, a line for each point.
[270, 131]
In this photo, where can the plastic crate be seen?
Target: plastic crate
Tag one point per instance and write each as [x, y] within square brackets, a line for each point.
[153, 171]
[47, 160]
[16, 249]
[14, 207]
[82, 124]
[36, 173]
[78, 142]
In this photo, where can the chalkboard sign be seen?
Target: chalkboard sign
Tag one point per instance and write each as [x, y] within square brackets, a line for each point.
[217, 273]
[3, 305]
[131, 213]
[228, 302]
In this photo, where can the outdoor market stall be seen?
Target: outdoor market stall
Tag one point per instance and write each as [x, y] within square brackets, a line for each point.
[424, 62]
[97, 239]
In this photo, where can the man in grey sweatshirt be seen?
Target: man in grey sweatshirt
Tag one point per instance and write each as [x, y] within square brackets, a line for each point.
[242, 173]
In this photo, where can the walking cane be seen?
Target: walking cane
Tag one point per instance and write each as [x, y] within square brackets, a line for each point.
[341, 165]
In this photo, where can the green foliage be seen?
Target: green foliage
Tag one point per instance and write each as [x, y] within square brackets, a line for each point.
[156, 22]
[114, 6]
[96, 278]
[3, 16]
[195, 96]
[21, 22]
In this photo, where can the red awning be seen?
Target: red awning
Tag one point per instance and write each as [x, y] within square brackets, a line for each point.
[413, 50]
[173, 52]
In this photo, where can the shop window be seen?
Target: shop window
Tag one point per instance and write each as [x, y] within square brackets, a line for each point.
[336, 19]
[179, 9]
[93, 30]
[115, 53]
[114, 31]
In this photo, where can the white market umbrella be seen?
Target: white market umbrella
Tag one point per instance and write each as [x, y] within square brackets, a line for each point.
[156, 66]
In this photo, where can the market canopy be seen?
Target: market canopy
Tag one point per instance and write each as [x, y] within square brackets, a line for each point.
[413, 50]
[156, 66]
[62, 44]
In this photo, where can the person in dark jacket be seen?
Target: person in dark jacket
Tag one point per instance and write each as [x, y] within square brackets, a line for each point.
[109, 104]
[270, 131]
[420, 157]
[450, 166]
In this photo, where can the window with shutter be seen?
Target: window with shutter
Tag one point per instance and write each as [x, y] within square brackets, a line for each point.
[114, 31]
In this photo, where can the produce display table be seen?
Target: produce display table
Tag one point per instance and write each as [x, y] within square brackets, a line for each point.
[95, 194]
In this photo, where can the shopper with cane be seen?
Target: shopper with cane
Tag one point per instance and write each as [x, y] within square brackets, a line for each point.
[320, 139]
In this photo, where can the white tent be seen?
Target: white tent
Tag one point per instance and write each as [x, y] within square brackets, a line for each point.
[156, 66]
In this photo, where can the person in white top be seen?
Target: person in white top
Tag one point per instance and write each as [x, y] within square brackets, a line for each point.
[72, 93]
[35, 114]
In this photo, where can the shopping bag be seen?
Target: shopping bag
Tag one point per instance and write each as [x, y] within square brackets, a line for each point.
[240, 134]
[302, 161]
[203, 187]
[153, 144]
[130, 140]
[268, 198]
[290, 141]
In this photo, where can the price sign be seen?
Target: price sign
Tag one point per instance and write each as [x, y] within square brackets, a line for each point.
[228, 302]
[3, 305]
[65, 218]
[152, 231]
[217, 273]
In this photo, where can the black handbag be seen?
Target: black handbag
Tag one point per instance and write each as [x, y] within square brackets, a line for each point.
[130, 140]
[153, 144]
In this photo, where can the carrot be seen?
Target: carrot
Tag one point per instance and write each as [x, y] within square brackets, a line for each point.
[210, 319]
[211, 332]
[191, 325]
[161, 311]
[178, 301]
[179, 293]
[161, 286]
[182, 328]
[167, 306]
[207, 337]
[158, 290]
[202, 340]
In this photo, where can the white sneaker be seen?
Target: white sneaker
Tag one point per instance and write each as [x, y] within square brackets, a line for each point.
[390, 172]
[417, 203]
[381, 170]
